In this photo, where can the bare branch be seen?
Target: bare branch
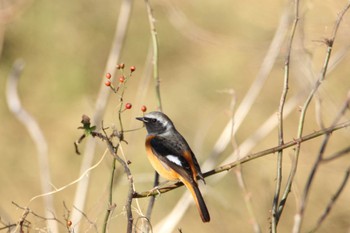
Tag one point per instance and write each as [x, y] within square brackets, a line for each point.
[35, 133]
[154, 36]
[301, 210]
[332, 201]
[275, 217]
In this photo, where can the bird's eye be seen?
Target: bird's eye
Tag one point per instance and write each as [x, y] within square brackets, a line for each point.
[154, 120]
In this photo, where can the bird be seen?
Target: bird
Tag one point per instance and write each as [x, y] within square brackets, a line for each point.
[171, 156]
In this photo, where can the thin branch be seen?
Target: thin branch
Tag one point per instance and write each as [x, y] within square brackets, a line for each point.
[131, 191]
[332, 201]
[82, 176]
[36, 134]
[337, 154]
[92, 223]
[275, 217]
[154, 36]
[23, 222]
[301, 210]
[110, 198]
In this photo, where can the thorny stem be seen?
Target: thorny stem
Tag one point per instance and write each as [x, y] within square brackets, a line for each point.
[299, 216]
[275, 216]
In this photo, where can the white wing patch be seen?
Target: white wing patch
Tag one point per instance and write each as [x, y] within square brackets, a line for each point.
[174, 159]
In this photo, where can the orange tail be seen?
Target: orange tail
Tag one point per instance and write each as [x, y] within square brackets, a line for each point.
[198, 198]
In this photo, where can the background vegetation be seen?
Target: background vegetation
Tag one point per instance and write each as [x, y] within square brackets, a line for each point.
[207, 50]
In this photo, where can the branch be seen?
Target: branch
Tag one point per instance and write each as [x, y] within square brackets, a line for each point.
[131, 191]
[274, 216]
[154, 36]
[36, 134]
[337, 154]
[332, 201]
[301, 211]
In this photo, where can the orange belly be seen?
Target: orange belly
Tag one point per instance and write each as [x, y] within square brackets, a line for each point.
[164, 170]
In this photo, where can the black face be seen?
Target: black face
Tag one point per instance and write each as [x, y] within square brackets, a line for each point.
[156, 122]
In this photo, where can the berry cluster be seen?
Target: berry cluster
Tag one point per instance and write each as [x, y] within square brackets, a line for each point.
[122, 78]
[122, 82]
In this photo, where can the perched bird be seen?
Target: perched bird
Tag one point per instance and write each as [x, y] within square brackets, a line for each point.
[172, 157]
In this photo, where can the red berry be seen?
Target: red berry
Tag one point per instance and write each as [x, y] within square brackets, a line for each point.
[108, 75]
[143, 108]
[108, 83]
[128, 105]
[121, 78]
[132, 68]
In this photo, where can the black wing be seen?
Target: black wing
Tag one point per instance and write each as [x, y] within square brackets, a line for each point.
[170, 153]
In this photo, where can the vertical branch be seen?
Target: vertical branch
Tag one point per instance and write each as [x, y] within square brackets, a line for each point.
[275, 217]
[101, 102]
[37, 136]
[154, 36]
[329, 43]
[299, 216]
[130, 219]
[332, 201]
[110, 198]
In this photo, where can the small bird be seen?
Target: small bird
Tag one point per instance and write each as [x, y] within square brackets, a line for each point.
[172, 157]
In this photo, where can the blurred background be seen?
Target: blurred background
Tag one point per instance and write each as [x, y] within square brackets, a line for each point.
[207, 51]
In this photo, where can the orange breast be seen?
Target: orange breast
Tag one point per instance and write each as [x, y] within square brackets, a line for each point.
[164, 170]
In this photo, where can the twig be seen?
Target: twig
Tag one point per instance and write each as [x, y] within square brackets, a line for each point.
[329, 43]
[86, 217]
[131, 191]
[101, 102]
[82, 176]
[248, 158]
[110, 198]
[27, 211]
[274, 216]
[337, 154]
[332, 201]
[35, 133]
[301, 210]
[154, 36]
